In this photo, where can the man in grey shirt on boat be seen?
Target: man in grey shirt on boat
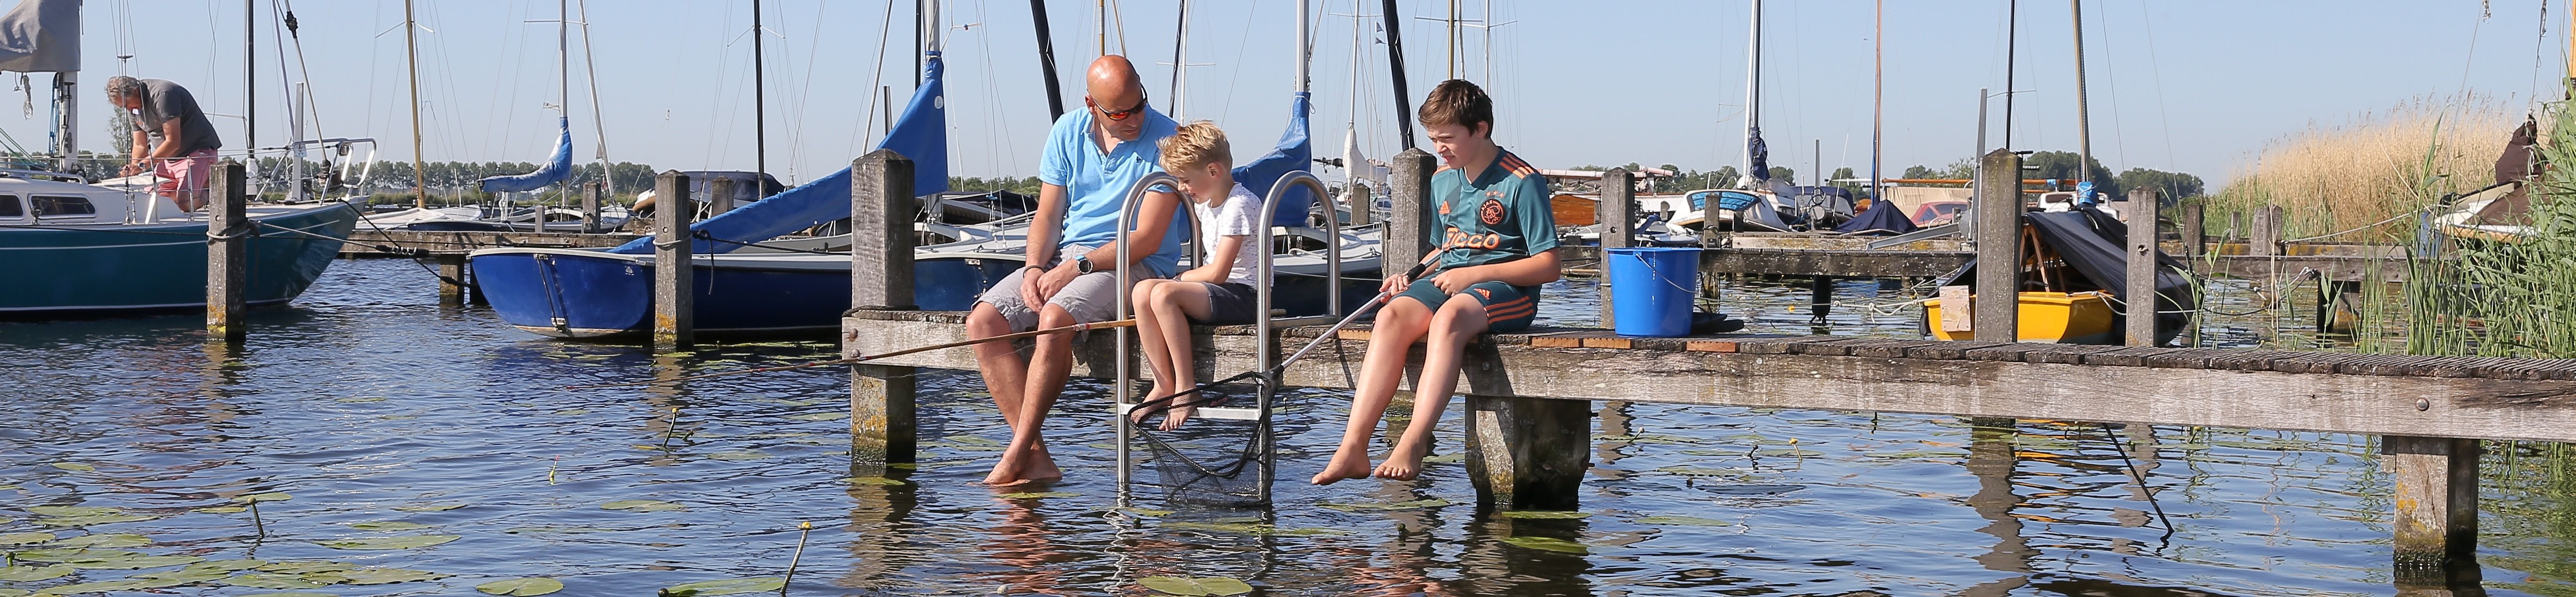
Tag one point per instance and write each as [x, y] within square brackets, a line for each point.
[186, 154]
[1091, 159]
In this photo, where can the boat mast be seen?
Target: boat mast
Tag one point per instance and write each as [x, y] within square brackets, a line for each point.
[1181, 64]
[1395, 64]
[598, 123]
[2083, 109]
[1046, 60]
[759, 108]
[1753, 91]
[2012, 35]
[1877, 100]
[250, 80]
[411, 52]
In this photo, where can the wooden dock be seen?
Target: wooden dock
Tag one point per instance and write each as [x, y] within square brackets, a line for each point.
[1846, 257]
[1528, 396]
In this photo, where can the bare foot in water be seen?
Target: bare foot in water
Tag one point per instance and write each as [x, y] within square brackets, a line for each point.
[1173, 419]
[1015, 469]
[1347, 464]
[1145, 408]
[1401, 465]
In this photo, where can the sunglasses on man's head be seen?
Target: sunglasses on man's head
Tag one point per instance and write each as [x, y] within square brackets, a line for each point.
[1119, 114]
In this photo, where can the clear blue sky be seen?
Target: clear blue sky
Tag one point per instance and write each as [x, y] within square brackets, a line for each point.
[2177, 85]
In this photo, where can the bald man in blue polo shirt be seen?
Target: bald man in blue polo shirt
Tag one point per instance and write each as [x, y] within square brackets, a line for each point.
[1091, 159]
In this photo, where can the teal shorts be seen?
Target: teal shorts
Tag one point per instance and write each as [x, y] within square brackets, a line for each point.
[1508, 308]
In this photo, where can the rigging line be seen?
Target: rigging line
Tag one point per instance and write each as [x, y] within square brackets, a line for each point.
[1245, 42]
[590, 69]
[2120, 138]
[2471, 59]
[1118, 17]
[885, 32]
[993, 86]
[2539, 51]
[804, 94]
[2155, 68]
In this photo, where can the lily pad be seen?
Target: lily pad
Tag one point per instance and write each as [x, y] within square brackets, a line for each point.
[572, 411]
[1548, 544]
[389, 525]
[1452, 457]
[106, 540]
[400, 542]
[92, 520]
[75, 467]
[306, 567]
[1032, 495]
[138, 562]
[14, 593]
[273, 496]
[291, 594]
[643, 506]
[229, 565]
[521, 586]
[556, 530]
[65, 554]
[270, 580]
[824, 416]
[729, 586]
[220, 510]
[68, 511]
[34, 573]
[185, 576]
[872, 481]
[1208, 585]
[107, 586]
[740, 455]
[1671, 520]
[1144, 512]
[25, 538]
[428, 507]
[1542, 514]
[1245, 528]
[376, 576]
[1389, 506]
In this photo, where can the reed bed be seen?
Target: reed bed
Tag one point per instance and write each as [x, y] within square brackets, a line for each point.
[2338, 177]
[2507, 298]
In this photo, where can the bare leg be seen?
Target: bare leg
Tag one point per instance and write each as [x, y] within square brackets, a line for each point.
[1182, 302]
[1458, 322]
[1005, 373]
[1050, 364]
[1390, 340]
[1150, 324]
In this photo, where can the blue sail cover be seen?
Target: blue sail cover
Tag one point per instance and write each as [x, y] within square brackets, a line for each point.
[921, 135]
[557, 168]
[1296, 150]
[1758, 154]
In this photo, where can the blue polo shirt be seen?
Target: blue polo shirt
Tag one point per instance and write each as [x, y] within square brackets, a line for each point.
[1096, 183]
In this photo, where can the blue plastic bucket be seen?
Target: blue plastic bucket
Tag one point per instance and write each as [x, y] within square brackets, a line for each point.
[1652, 288]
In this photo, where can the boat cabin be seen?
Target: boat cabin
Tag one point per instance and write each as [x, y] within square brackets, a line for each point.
[33, 198]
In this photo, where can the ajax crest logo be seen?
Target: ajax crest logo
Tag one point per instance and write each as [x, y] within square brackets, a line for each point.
[1491, 213]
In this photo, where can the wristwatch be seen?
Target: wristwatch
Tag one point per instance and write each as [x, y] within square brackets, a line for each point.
[1082, 264]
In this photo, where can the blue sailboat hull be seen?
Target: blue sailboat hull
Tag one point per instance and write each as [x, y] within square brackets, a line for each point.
[570, 293]
[85, 270]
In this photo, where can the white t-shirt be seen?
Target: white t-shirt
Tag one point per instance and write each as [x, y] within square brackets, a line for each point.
[1239, 216]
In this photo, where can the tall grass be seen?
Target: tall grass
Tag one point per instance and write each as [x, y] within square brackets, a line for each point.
[2514, 297]
[2330, 178]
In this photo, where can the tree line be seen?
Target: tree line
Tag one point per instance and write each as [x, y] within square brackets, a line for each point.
[2058, 165]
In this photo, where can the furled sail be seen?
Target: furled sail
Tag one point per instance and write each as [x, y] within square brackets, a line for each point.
[921, 135]
[41, 36]
[558, 167]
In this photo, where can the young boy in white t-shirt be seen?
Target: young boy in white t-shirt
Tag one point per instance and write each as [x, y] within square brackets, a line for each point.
[1220, 291]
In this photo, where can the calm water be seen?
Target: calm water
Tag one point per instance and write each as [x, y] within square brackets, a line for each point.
[368, 403]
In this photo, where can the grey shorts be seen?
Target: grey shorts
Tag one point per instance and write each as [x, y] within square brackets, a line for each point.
[1090, 298]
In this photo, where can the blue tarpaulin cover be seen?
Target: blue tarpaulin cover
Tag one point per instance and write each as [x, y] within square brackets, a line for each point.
[1296, 149]
[558, 167]
[921, 135]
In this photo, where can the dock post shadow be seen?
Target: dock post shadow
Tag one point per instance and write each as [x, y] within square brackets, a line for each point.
[883, 430]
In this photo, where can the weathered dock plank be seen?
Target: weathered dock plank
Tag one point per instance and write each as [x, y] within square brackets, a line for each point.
[2416, 396]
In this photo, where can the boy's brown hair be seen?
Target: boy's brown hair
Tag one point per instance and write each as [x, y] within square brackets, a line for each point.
[1458, 102]
[1196, 144]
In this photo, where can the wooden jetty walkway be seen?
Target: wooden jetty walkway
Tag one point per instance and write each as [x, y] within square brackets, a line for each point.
[1527, 396]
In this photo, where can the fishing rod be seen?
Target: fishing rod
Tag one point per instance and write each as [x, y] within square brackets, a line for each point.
[1148, 408]
[1079, 327]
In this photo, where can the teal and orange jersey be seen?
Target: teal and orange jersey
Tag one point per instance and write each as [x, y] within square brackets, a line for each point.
[1502, 215]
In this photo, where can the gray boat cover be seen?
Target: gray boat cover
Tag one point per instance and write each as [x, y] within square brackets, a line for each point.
[41, 36]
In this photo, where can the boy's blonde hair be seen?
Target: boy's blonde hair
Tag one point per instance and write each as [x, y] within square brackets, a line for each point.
[1196, 144]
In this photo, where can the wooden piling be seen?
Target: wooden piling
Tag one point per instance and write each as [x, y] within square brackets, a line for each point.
[2140, 290]
[2265, 238]
[228, 232]
[674, 295]
[2195, 233]
[719, 196]
[1999, 215]
[592, 195]
[452, 273]
[1528, 453]
[883, 432]
[1357, 195]
[2437, 503]
[1820, 299]
[1409, 229]
[1617, 214]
